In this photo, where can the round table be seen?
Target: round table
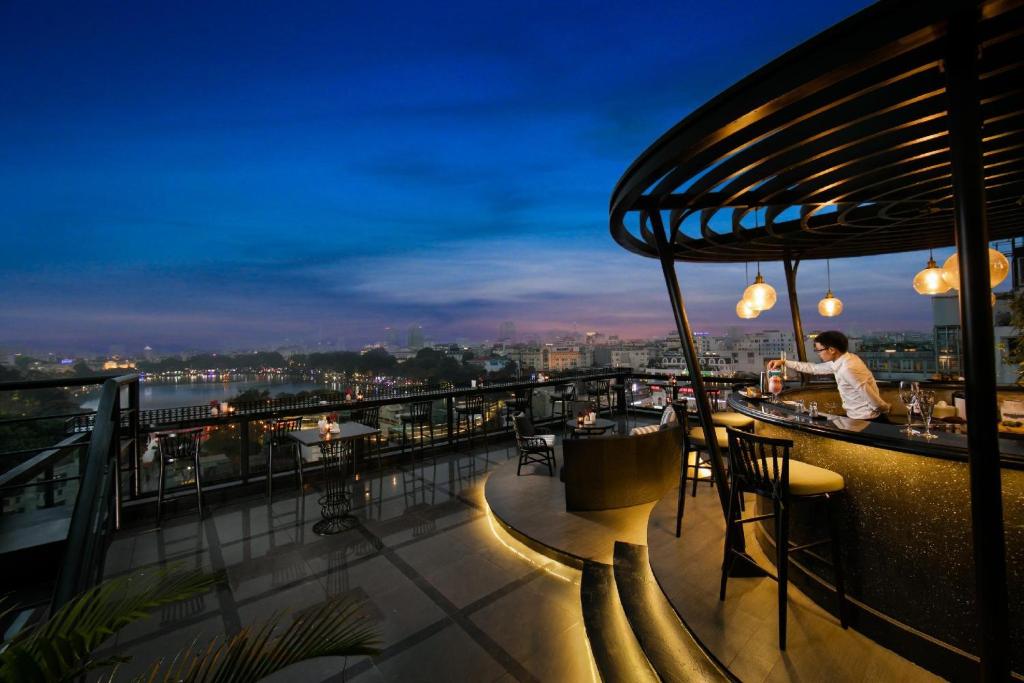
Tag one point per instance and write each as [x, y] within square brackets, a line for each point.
[598, 427]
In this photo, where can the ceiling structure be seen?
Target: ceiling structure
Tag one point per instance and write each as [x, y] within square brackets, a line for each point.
[838, 148]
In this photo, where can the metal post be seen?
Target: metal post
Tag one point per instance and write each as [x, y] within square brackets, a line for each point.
[243, 435]
[620, 394]
[668, 267]
[987, 525]
[794, 307]
[449, 411]
[134, 457]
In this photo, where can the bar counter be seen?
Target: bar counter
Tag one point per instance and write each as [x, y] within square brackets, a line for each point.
[906, 528]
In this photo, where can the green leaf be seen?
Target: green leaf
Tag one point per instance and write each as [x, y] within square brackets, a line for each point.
[60, 649]
[334, 629]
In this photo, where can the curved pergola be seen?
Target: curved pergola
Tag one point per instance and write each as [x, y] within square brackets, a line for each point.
[838, 148]
[898, 129]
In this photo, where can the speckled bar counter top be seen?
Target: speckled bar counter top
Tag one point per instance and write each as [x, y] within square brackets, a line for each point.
[949, 446]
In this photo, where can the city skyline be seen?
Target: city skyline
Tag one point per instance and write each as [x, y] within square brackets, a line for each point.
[224, 178]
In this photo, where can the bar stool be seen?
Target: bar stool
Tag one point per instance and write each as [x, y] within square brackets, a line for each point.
[729, 418]
[468, 410]
[370, 417]
[181, 444]
[522, 403]
[420, 414]
[692, 457]
[762, 466]
[598, 389]
[276, 439]
[563, 393]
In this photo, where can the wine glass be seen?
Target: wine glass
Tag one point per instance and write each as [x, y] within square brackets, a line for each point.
[926, 403]
[775, 387]
[908, 390]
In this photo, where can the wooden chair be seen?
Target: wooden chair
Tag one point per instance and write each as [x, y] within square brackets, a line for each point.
[763, 466]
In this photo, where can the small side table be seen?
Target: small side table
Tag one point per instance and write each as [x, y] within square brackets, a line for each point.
[335, 454]
[596, 428]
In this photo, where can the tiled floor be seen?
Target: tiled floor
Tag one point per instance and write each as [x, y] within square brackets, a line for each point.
[452, 601]
[742, 631]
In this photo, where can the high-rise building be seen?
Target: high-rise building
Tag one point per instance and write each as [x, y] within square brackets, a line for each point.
[415, 337]
[507, 331]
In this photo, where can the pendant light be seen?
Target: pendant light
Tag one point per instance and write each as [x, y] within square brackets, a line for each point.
[743, 308]
[830, 306]
[998, 269]
[745, 311]
[932, 280]
[761, 295]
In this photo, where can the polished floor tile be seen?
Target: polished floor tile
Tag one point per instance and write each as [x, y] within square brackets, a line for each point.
[424, 565]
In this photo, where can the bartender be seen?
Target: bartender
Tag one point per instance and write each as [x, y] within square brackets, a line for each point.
[856, 384]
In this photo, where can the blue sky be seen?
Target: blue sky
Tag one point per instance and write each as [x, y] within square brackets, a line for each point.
[238, 175]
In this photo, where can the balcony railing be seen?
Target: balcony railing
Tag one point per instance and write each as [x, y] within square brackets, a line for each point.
[232, 450]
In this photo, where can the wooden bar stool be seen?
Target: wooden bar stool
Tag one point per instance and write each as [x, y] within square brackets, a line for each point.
[762, 465]
[729, 418]
[696, 456]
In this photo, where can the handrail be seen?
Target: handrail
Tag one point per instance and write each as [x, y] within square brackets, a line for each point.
[57, 382]
[28, 469]
[97, 506]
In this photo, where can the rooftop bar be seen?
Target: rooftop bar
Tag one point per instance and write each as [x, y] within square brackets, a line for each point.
[889, 132]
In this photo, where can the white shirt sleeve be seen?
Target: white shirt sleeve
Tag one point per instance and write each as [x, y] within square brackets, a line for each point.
[811, 368]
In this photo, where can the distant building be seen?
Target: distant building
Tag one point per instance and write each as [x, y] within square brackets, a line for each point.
[561, 357]
[507, 331]
[528, 357]
[895, 361]
[948, 342]
[622, 356]
[415, 337]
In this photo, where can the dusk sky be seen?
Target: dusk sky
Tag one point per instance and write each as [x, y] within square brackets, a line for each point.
[244, 175]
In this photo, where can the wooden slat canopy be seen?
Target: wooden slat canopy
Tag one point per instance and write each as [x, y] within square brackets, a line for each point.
[838, 148]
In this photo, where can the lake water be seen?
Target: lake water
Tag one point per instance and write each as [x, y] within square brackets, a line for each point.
[166, 395]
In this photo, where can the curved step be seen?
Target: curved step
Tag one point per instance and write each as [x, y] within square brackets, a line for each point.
[669, 647]
[616, 651]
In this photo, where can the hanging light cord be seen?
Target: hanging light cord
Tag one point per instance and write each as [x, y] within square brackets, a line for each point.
[828, 269]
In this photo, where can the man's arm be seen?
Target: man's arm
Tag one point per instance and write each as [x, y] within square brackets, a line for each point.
[810, 368]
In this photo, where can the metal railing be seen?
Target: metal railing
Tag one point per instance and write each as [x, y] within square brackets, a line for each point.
[97, 510]
[233, 440]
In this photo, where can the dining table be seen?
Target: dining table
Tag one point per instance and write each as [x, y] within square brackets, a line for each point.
[336, 454]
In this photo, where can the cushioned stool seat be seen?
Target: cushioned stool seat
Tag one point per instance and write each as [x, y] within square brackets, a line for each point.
[697, 437]
[808, 480]
[731, 419]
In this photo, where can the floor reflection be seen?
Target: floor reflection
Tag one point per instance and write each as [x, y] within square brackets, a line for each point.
[423, 563]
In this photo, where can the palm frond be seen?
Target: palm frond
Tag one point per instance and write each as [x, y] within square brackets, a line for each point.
[336, 628]
[61, 648]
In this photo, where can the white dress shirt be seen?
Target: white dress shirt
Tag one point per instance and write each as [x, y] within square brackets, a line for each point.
[856, 384]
